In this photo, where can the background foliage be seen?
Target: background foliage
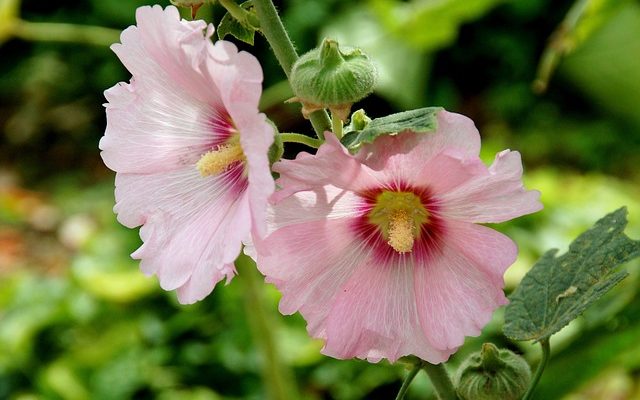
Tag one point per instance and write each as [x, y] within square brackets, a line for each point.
[79, 321]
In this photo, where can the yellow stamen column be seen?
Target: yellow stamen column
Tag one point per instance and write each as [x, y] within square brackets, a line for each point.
[217, 161]
[401, 235]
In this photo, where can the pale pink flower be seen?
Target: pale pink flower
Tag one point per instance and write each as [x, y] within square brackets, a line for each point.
[190, 150]
[380, 252]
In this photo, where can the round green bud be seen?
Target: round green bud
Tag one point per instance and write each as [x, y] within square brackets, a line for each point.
[332, 77]
[493, 374]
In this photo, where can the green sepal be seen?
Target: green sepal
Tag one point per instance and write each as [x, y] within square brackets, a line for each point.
[422, 120]
[241, 30]
[558, 289]
[276, 150]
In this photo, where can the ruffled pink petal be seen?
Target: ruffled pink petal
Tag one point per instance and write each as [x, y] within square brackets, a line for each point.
[304, 254]
[496, 196]
[195, 251]
[307, 263]
[163, 49]
[256, 136]
[237, 75]
[191, 224]
[458, 291]
[444, 171]
[169, 114]
[396, 153]
[374, 315]
[332, 164]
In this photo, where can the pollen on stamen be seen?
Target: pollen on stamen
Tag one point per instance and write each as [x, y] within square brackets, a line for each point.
[219, 160]
[401, 235]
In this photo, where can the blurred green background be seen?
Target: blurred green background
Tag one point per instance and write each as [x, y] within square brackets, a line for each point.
[79, 321]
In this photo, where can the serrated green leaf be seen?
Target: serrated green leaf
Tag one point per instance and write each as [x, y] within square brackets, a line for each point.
[558, 289]
[421, 120]
[231, 26]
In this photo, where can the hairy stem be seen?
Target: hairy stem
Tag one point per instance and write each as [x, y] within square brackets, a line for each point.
[441, 381]
[276, 376]
[300, 138]
[273, 30]
[546, 352]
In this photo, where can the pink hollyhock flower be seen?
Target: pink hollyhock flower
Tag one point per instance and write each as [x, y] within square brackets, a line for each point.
[380, 252]
[190, 150]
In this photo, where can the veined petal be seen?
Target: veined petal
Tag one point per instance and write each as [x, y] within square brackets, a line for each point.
[256, 137]
[496, 196]
[394, 154]
[182, 251]
[332, 164]
[171, 112]
[375, 315]
[458, 291]
[317, 255]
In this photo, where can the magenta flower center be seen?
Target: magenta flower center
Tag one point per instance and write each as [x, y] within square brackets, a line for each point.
[400, 220]
[399, 216]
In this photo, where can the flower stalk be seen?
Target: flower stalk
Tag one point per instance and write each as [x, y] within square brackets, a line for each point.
[440, 380]
[546, 352]
[301, 139]
[272, 28]
[407, 380]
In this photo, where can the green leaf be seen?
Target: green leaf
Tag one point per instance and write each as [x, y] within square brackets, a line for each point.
[239, 29]
[558, 289]
[421, 120]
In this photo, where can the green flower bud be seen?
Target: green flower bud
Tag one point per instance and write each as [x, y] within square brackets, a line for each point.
[493, 374]
[331, 77]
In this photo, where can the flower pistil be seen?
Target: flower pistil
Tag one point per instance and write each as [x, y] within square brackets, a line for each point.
[399, 216]
[221, 158]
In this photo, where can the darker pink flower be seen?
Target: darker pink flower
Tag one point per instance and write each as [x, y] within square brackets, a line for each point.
[190, 150]
[380, 252]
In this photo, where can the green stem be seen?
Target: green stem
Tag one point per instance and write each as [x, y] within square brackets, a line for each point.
[240, 14]
[441, 381]
[276, 376]
[546, 352]
[69, 33]
[557, 46]
[272, 28]
[299, 138]
[407, 381]
[336, 124]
